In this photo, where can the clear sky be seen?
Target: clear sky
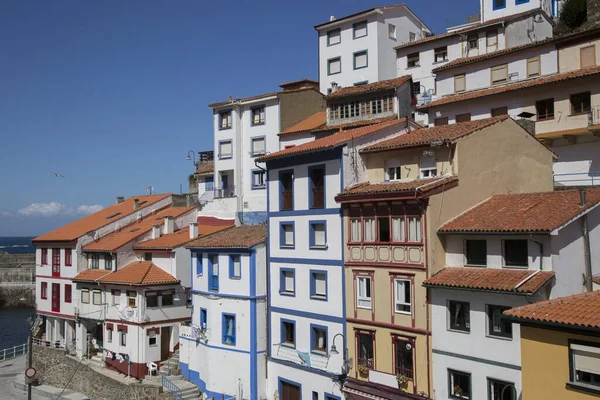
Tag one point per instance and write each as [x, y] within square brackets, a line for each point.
[112, 94]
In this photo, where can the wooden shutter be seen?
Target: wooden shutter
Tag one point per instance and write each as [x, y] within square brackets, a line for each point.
[463, 117]
[499, 73]
[440, 121]
[588, 56]
[533, 66]
[460, 83]
[496, 112]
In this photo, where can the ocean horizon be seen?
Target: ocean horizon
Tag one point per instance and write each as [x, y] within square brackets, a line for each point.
[17, 244]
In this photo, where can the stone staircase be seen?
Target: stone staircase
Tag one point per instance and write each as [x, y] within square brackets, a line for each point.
[172, 372]
[171, 366]
[97, 360]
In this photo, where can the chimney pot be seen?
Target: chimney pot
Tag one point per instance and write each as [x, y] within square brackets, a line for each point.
[230, 99]
[136, 204]
[169, 225]
[120, 199]
[193, 230]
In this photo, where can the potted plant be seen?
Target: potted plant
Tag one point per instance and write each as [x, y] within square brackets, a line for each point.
[458, 391]
[402, 381]
[363, 369]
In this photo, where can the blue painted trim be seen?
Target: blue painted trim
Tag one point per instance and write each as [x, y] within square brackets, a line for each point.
[354, 59]
[219, 148]
[301, 213]
[253, 274]
[311, 185]
[232, 268]
[281, 380]
[268, 265]
[519, 2]
[224, 329]
[311, 234]
[314, 261]
[192, 258]
[329, 44]
[329, 396]
[203, 317]
[253, 353]
[329, 65]
[354, 29]
[194, 377]
[232, 295]
[282, 282]
[228, 348]
[281, 173]
[309, 315]
[320, 156]
[230, 111]
[313, 339]
[282, 338]
[199, 256]
[227, 250]
[292, 364]
[342, 270]
[256, 107]
[252, 155]
[213, 280]
[282, 244]
[257, 171]
[494, 7]
[313, 288]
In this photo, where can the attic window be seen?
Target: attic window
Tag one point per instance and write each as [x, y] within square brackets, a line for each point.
[113, 215]
[142, 202]
[135, 229]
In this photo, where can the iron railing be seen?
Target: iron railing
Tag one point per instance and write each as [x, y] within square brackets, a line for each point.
[224, 193]
[407, 372]
[13, 352]
[49, 343]
[172, 387]
[577, 179]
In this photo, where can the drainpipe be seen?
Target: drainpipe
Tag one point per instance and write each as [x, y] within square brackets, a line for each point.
[541, 250]
[587, 279]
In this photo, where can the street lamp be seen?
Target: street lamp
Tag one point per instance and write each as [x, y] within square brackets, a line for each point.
[193, 156]
[333, 350]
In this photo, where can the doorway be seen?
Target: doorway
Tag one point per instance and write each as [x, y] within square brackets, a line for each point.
[289, 391]
[165, 339]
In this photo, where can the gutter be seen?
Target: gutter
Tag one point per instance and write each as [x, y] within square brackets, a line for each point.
[492, 233]
[479, 290]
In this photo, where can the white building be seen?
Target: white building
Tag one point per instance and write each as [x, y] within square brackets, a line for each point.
[508, 251]
[358, 48]
[493, 9]
[223, 351]
[244, 129]
[59, 258]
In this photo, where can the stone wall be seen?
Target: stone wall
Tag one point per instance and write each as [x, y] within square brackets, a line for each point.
[55, 368]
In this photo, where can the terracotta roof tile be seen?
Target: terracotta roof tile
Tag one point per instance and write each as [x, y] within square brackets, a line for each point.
[425, 136]
[241, 99]
[369, 87]
[510, 87]
[580, 310]
[79, 228]
[90, 275]
[330, 141]
[139, 273]
[314, 121]
[362, 390]
[205, 168]
[126, 234]
[176, 239]
[525, 212]
[324, 128]
[494, 279]
[421, 185]
[237, 237]
[470, 60]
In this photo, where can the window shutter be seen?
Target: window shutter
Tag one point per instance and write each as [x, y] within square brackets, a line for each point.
[319, 234]
[289, 234]
[586, 358]
[226, 148]
[460, 83]
[533, 66]
[360, 60]
[588, 56]
[500, 73]
[258, 146]
[289, 281]
[334, 66]
[320, 284]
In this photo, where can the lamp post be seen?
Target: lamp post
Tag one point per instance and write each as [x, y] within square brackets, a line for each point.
[29, 344]
[333, 350]
[192, 157]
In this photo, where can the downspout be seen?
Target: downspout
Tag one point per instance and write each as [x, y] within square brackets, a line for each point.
[427, 305]
[589, 284]
[541, 250]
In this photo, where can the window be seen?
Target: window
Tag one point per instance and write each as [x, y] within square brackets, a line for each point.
[581, 103]
[116, 297]
[203, 318]
[68, 257]
[258, 179]
[198, 263]
[473, 42]
[497, 112]
[363, 284]
[152, 338]
[499, 4]
[317, 182]
[228, 329]
[55, 258]
[68, 293]
[334, 37]
[213, 279]
[225, 120]
[359, 29]
[414, 229]
[404, 358]
[498, 390]
[360, 109]
[459, 385]
[499, 74]
[463, 117]
[428, 167]
[392, 31]
[95, 261]
[587, 56]
[416, 87]
[318, 235]
[369, 229]
[440, 121]
[258, 115]
[496, 325]
[123, 338]
[318, 285]
[287, 281]
[56, 297]
[334, 66]
[225, 149]
[491, 38]
[533, 66]
[412, 36]
[258, 146]
[235, 267]
[286, 182]
[167, 298]
[85, 296]
[109, 333]
[515, 253]
[288, 333]
[544, 109]
[441, 54]
[147, 256]
[365, 349]
[476, 251]
[413, 60]
[459, 318]
[318, 339]
[460, 83]
[585, 364]
[287, 235]
[356, 230]
[97, 297]
[44, 290]
[402, 297]
[398, 229]
[394, 173]
[131, 297]
[361, 60]
[108, 262]
[383, 229]
[44, 253]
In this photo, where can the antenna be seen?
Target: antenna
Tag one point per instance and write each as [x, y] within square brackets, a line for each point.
[149, 189]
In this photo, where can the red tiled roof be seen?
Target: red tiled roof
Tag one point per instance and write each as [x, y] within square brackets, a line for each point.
[314, 121]
[362, 390]
[493, 54]
[118, 239]
[422, 185]
[312, 125]
[425, 136]
[176, 239]
[510, 87]
[297, 81]
[580, 310]
[139, 273]
[468, 28]
[90, 275]
[259, 96]
[331, 140]
[369, 87]
[76, 229]
[242, 237]
[205, 168]
[525, 212]
[494, 279]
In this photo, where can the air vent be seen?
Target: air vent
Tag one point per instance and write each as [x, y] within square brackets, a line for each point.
[113, 215]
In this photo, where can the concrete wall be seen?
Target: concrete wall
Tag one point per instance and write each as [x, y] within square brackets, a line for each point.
[569, 57]
[410, 160]
[296, 106]
[488, 12]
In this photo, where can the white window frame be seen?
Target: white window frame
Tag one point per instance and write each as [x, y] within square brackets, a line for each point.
[99, 294]
[396, 166]
[392, 31]
[85, 296]
[221, 154]
[397, 302]
[355, 230]
[256, 140]
[364, 297]
[372, 233]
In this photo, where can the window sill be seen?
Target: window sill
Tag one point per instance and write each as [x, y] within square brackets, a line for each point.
[439, 62]
[225, 157]
[358, 37]
[335, 73]
[257, 154]
[286, 247]
[505, 338]
[357, 68]
[258, 124]
[516, 266]
[318, 297]
[545, 119]
[318, 247]
[364, 308]
[259, 187]
[476, 265]
[466, 332]
[224, 129]
[333, 44]
[579, 113]
[288, 294]
[288, 345]
[583, 387]
[403, 312]
[236, 278]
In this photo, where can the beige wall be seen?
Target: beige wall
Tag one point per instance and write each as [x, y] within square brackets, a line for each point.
[410, 159]
[545, 364]
[569, 58]
[296, 106]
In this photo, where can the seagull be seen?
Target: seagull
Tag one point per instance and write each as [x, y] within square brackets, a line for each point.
[57, 174]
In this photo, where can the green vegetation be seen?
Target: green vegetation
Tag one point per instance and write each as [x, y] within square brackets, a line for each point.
[573, 13]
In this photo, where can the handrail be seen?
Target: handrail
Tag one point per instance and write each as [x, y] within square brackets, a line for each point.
[13, 352]
[47, 343]
[578, 178]
[172, 387]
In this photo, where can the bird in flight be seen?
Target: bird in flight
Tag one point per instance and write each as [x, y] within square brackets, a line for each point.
[57, 174]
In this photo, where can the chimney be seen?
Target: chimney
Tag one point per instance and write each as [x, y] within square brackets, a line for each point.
[120, 199]
[136, 204]
[193, 230]
[230, 99]
[582, 198]
[169, 225]
[155, 231]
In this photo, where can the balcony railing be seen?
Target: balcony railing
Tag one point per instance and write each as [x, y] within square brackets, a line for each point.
[408, 372]
[577, 179]
[224, 193]
[366, 362]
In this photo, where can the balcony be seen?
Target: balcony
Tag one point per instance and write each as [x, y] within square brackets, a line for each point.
[577, 179]
[594, 118]
[386, 253]
[224, 193]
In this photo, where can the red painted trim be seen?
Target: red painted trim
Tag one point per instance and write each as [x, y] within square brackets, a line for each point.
[150, 330]
[44, 256]
[137, 370]
[121, 327]
[68, 257]
[384, 265]
[388, 326]
[68, 298]
[44, 290]
[52, 314]
[165, 321]
[54, 277]
[110, 326]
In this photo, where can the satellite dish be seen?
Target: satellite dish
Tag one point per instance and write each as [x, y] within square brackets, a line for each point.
[408, 346]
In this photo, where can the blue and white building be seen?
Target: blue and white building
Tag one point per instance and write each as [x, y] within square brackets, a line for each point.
[223, 351]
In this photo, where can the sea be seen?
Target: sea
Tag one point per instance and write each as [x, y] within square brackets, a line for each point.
[14, 322]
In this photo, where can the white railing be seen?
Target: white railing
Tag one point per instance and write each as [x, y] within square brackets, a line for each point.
[59, 344]
[13, 352]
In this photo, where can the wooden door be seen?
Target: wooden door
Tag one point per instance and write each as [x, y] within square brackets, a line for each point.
[165, 339]
[289, 391]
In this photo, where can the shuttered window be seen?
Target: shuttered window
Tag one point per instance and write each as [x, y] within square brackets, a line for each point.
[492, 38]
[225, 149]
[585, 361]
[334, 66]
[258, 146]
[360, 60]
[460, 83]
[497, 112]
[463, 117]
[533, 66]
[588, 56]
[440, 121]
[499, 74]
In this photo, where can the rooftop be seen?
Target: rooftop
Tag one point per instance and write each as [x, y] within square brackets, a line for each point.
[139, 273]
[317, 123]
[523, 213]
[82, 226]
[237, 237]
[177, 238]
[516, 281]
[90, 275]
[577, 311]
[205, 168]
[242, 99]
[424, 186]
[369, 87]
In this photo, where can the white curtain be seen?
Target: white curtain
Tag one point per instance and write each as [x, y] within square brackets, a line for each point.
[369, 230]
[229, 331]
[320, 284]
[356, 230]
[398, 234]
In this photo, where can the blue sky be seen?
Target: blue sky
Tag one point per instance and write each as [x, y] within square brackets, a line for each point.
[113, 94]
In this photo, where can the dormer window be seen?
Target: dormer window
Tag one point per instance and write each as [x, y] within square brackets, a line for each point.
[225, 120]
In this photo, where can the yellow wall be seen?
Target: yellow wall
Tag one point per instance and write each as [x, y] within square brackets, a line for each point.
[545, 364]
[409, 158]
[569, 57]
